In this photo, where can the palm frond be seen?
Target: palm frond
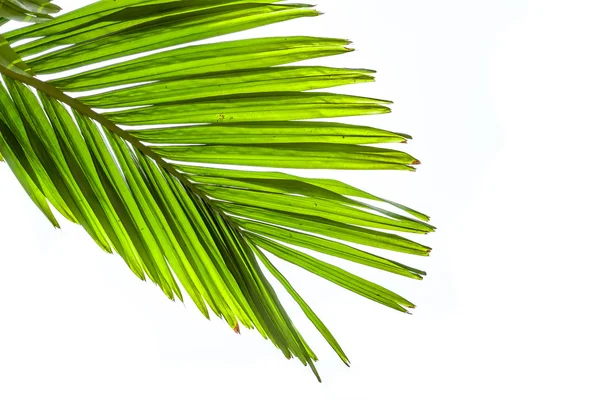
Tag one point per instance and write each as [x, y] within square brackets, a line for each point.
[143, 168]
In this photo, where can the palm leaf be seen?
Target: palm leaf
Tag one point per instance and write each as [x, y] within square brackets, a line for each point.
[143, 168]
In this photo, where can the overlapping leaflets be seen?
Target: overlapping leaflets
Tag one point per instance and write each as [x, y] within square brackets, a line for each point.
[28, 10]
[147, 170]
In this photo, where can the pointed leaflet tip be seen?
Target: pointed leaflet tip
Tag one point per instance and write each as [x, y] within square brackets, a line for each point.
[236, 329]
[314, 370]
[416, 162]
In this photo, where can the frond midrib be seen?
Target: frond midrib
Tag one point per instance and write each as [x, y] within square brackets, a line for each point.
[111, 126]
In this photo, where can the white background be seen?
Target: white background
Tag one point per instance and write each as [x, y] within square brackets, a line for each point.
[503, 100]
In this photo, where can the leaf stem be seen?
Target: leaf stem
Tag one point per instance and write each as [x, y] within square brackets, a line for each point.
[108, 124]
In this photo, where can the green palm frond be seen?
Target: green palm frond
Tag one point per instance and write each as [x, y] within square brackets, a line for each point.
[151, 170]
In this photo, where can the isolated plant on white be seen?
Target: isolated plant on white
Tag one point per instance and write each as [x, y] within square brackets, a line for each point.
[173, 159]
